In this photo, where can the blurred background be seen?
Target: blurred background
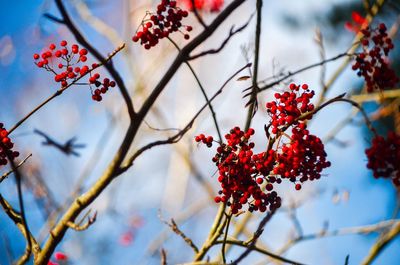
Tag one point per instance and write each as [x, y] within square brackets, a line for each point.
[179, 181]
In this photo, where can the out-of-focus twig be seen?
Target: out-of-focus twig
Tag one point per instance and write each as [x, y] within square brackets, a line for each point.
[5, 175]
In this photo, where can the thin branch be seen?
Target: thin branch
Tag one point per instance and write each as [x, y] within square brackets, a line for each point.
[113, 170]
[54, 18]
[225, 237]
[27, 233]
[163, 257]
[203, 91]
[260, 250]
[79, 227]
[311, 66]
[197, 15]
[382, 242]
[5, 175]
[61, 90]
[174, 227]
[257, 234]
[108, 65]
[18, 221]
[361, 230]
[232, 32]
[175, 138]
[253, 103]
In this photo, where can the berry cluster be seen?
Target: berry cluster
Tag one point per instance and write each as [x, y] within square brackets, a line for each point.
[372, 64]
[204, 5]
[238, 175]
[247, 178]
[67, 66]
[384, 156]
[205, 140]
[6, 146]
[303, 158]
[159, 25]
[289, 106]
[359, 22]
[102, 87]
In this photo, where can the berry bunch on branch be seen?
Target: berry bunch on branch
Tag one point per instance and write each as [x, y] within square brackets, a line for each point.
[67, 65]
[247, 178]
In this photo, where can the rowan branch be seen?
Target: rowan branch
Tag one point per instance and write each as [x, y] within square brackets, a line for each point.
[112, 171]
[5, 175]
[232, 32]
[61, 90]
[108, 65]
[174, 227]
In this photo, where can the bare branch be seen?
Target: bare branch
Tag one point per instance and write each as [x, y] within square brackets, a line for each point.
[260, 250]
[174, 227]
[61, 90]
[79, 227]
[108, 65]
[232, 32]
[178, 136]
[5, 175]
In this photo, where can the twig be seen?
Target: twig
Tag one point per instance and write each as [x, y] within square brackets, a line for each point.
[252, 103]
[175, 138]
[113, 170]
[197, 15]
[163, 257]
[61, 90]
[257, 234]
[177, 231]
[311, 66]
[225, 237]
[110, 68]
[258, 249]
[232, 32]
[5, 175]
[203, 91]
[16, 217]
[79, 227]
[381, 243]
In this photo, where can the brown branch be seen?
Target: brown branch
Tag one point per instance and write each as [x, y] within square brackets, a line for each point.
[253, 103]
[174, 227]
[303, 69]
[256, 235]
[260, 250]
[203, 91]
[61, 90]
[32, 245]
[175, 138]
[197, 15]
[5, 175]
[112, 171]
[381, 243]
[108, 65]
[79, 227]
[232, 32]
[163, 257]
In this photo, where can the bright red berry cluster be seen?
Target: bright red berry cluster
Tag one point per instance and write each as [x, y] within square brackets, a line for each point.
[66, 63]
[205, 140]
[247, 178]
[372, 64]
[6, 146]
[159, 25]
[204, 5]
[303, 158]
[384, 157]
[238, 175]
[289, 106]
[359, 22]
